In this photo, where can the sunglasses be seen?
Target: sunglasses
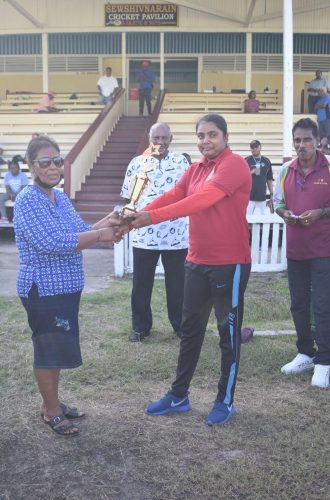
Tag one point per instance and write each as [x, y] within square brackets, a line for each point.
[46, 162]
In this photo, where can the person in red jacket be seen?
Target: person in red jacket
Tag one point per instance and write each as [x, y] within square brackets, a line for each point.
[214, 193]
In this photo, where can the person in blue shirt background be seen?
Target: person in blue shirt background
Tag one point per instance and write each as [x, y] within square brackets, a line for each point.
[322, 108]
[146, 78]
[14, 182]
[50, 235]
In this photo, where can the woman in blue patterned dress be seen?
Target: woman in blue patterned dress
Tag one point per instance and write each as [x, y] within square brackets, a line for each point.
[50, 236]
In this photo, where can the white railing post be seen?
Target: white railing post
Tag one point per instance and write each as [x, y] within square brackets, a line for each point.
[119, 259]
[267, 250]
[268, 254]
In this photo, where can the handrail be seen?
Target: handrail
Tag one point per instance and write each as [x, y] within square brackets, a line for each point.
[77, 148]
[144, 142]
[72, 155]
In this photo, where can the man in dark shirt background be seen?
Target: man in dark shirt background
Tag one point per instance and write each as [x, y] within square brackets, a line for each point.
[262, 177]
[146, 78]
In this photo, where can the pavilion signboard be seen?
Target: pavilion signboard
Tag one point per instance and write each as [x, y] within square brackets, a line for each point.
[141, 14]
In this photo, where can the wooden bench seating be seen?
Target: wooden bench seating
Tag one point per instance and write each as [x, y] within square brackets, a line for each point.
[23, 96]
[242, 129]
[30, 108]
[205, 102]
[18, 103]
[46, 118]
[16, 130]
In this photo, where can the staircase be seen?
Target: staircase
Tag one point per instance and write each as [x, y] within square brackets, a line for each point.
[101, 190]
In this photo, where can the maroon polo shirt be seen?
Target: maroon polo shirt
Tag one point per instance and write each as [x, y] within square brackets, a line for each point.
[308, 193]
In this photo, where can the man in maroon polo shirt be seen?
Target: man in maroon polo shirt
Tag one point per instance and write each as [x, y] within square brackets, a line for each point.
[303, 200]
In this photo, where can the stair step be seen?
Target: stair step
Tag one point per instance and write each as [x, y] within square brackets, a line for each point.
[111, 188]
[107, 172]
[119, 154]
[104, 180]
[101, 190]
[95, 207]
[111, 169]
[106, 161]
[90, 196]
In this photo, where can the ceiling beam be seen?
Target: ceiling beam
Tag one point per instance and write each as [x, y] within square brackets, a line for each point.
[296, 12]
[205, 10]
[250, 12]
[25, 13]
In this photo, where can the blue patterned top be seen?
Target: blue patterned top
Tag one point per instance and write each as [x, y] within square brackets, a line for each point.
[46, 237]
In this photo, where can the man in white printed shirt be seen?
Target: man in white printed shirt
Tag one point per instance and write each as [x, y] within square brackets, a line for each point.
[167, 239]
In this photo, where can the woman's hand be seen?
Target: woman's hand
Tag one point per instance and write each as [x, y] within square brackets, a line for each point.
[115, 219]
[112, 219]
[140, 219]
[110, 234]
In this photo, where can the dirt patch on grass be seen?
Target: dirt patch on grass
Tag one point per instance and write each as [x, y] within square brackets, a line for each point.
[122, 453]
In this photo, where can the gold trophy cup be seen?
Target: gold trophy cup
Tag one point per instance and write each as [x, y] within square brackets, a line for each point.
[140, 180]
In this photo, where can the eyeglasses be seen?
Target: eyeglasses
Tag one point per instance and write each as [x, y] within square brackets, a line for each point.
[46, 162]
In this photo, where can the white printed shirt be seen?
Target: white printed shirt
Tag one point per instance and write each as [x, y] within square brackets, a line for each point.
[168, 235]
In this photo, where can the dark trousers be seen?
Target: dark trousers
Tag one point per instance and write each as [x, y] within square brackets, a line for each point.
[304, 275]
[223, 288]
[324, 128]
[312, 100]
[144, 95]
[144, 266]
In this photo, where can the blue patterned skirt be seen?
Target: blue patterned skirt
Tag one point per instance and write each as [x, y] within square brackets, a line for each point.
[55, 329]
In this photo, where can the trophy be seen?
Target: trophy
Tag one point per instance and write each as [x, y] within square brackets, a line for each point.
[140, 180]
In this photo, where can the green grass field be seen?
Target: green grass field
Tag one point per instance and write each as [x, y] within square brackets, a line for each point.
[276, 447]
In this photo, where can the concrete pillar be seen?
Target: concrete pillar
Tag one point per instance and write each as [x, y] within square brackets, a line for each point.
[248, 62]
[45, 82]
[162, 61]
[124, 63]
[287, 79]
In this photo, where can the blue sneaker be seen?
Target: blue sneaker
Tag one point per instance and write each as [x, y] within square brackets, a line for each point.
[220, 413]
[167, 404]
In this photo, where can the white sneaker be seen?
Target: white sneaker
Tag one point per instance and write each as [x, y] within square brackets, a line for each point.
[299, 364]
[321, 376]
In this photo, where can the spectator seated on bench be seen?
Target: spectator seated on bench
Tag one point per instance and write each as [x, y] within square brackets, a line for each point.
[14, 182]
[46, 104]
[2, 161]
[251, 105]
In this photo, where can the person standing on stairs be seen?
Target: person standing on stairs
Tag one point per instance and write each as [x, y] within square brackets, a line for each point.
[146, 78]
